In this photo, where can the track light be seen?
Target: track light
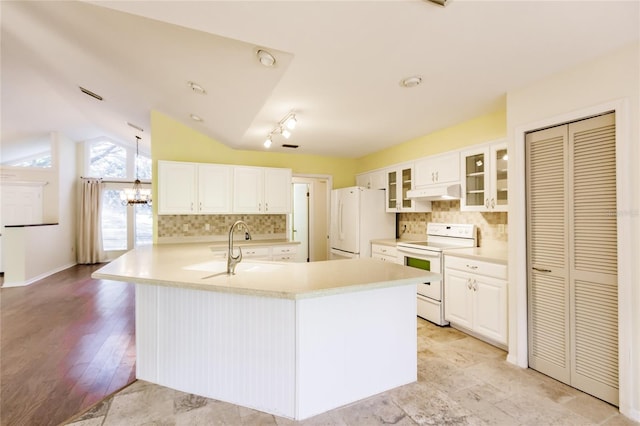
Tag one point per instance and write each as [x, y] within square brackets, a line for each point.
[284, 128]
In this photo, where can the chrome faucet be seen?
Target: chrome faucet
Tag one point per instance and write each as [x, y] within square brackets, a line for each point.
[232, 260]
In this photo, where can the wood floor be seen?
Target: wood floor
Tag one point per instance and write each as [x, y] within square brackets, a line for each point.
[66, 342]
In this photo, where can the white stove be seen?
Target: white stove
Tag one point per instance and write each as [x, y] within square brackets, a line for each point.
[428, 255]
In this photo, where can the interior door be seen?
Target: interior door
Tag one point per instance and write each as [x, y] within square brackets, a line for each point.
[572, 254]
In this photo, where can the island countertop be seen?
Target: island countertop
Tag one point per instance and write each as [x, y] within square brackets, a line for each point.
[194, 266]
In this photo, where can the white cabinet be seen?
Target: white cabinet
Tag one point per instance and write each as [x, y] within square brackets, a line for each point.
[372, 180]
[193, 188]
[437, 170]
[484, 178]
[476, 297]
[177, 187]
[384, 252]
[261, 190]
[214, 188]
[284, 253]
[400, 180]
[276, 253]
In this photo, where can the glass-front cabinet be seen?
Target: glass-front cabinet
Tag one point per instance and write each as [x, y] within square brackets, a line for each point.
[399, 182]
[484, 180]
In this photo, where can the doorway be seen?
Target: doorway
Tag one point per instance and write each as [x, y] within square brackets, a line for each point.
[309, 220]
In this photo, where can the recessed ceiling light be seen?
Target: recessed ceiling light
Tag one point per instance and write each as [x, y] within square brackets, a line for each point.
[196, 117]
[266, 58]
[412, 81]
[196, 88]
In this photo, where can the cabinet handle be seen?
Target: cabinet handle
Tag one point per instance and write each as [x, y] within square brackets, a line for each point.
[192, 206]
[486, 203]
[437, 177]
[200, 206]
[469, 283]
[475, 285]
[433, 178]
[493, 203]
[259, 207]
[472, 266]
[266, 207]
[541, 269]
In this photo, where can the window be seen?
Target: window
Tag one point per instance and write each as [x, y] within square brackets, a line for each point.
[123, 227]
[106, 159]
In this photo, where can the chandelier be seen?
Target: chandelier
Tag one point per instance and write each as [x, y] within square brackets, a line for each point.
[137, 194]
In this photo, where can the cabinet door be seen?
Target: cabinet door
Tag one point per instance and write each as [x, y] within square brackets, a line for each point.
[499, 195]
[406, 184]
[177, 184]
[458, 303]
[378, 180]
[392, 191]
[447, 169]
[277, 191]
[475, 182]
[490, 308]
[214, 188]
[364, 180]
[248, 188]
[437, 170]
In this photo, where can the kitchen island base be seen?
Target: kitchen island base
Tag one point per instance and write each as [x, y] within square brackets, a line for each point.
[293, 358]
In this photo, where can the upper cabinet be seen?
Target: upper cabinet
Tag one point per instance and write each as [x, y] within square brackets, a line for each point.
[484, 178]
[437, 170]
[399, 182]
[202, 188]
[177, 187]
[193, 188]
[372, 180]
[261, 190]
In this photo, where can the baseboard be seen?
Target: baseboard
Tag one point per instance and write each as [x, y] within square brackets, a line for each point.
[37, 278]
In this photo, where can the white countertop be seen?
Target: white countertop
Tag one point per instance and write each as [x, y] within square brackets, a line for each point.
[495, 254]
[193, 266]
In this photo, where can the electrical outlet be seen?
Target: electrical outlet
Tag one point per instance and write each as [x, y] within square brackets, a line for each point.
[207, 227]
[185, 227]
[501, 229]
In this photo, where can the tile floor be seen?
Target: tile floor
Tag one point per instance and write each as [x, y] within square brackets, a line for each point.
[461, 381]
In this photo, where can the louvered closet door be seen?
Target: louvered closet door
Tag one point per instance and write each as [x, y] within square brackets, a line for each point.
[547, 238]
[572, 255]
[594, 257]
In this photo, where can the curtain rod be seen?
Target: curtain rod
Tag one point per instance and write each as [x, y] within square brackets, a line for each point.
[116, 181]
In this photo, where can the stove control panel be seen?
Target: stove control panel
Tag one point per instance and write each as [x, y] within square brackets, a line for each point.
[463, 230]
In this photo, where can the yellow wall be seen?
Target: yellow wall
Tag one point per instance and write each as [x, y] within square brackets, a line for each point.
[174, 141]
[478, 130]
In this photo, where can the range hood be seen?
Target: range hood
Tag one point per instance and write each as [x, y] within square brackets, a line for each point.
[436, 192]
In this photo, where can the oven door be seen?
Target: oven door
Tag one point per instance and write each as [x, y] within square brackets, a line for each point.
[426, 260]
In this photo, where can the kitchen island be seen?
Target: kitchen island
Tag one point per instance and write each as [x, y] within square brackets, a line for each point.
[290, 339]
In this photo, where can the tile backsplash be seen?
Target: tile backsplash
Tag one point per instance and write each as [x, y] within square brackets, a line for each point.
[492, 227]
[189, 226]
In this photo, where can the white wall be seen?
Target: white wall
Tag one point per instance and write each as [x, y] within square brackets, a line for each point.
[33, 253]
[609, 82]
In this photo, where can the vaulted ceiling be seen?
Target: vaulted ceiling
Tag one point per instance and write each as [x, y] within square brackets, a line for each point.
[338, 65]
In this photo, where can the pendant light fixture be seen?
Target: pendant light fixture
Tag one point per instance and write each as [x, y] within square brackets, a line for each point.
[137, 194]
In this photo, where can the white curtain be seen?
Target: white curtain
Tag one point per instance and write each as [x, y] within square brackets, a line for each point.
[90, 229]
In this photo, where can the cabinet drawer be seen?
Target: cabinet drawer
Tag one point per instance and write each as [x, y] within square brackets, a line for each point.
[283, 250]
[256, 252]
[284, 257]
[384, 250]
[384, 258]
[479, 267]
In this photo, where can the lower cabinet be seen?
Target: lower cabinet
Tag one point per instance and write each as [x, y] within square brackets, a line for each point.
[384, 252]
[277, 253]
[476, 297]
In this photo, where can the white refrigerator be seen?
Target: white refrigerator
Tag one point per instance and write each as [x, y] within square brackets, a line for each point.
[357, 217]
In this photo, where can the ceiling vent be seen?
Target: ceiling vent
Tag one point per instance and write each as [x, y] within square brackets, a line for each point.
[288, 145]
[440, 2]
[90, 93]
